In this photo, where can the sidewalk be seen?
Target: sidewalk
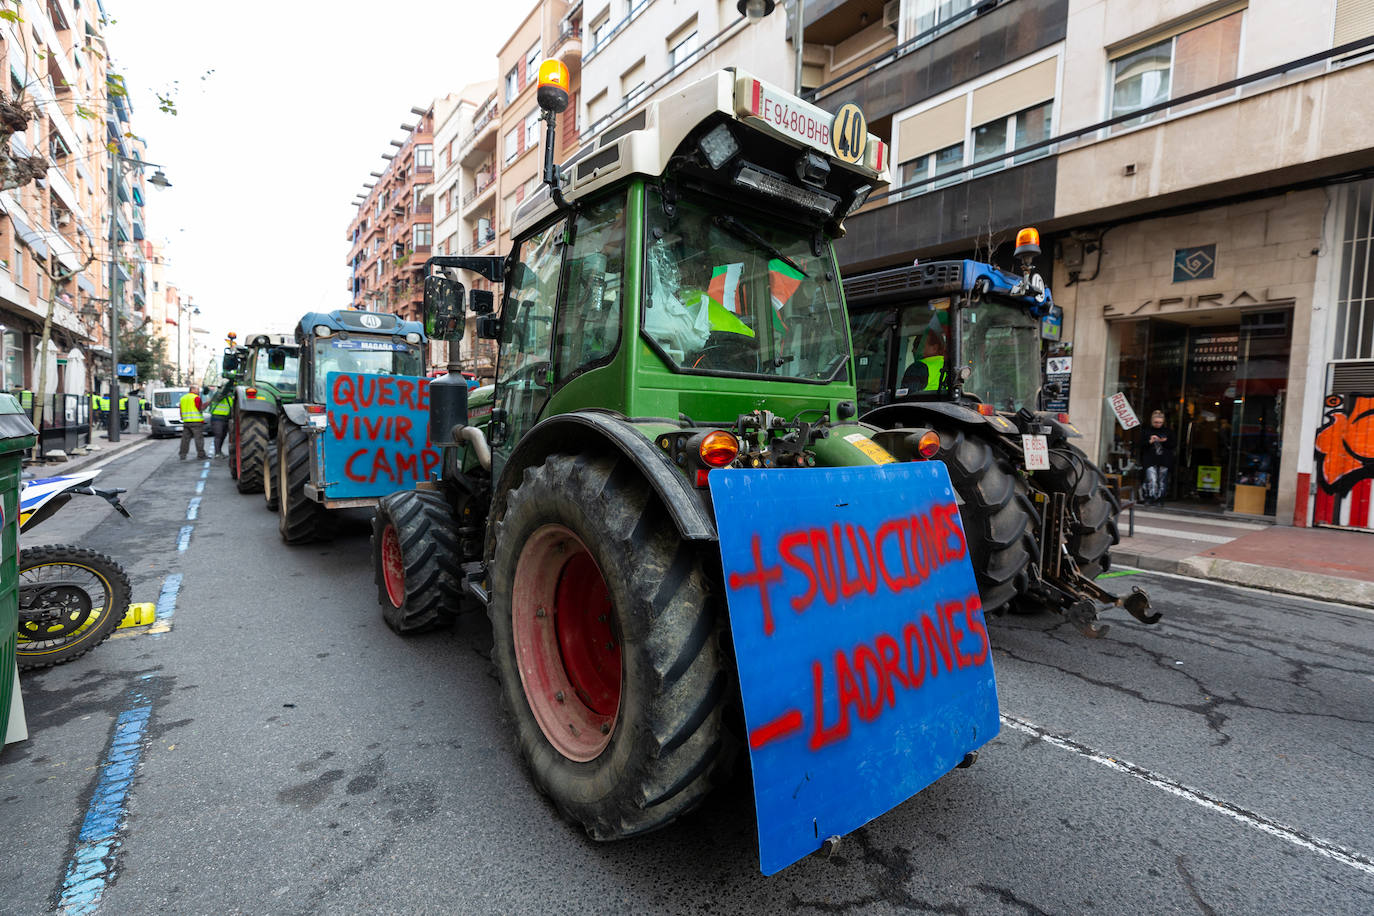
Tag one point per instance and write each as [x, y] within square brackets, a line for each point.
[103, 449]
[1311, 562]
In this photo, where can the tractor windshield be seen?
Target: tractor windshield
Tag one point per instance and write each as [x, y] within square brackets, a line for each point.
[368, 356]
[283, 379]
[1001, 344]
[727, 295]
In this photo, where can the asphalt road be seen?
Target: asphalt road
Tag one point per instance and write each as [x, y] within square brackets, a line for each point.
[291, 755]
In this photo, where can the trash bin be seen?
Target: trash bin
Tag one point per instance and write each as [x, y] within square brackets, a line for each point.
[17, 436]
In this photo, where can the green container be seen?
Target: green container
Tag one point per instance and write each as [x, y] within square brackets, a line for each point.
[17, 436]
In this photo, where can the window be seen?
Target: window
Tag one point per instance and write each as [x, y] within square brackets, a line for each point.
[423, 235]
[1033, 126]
[14, 361]
[681, 45]
[512, 143]
[1006, 135]
[588, 321]
[1354, 338]
[1184, 62]
[532, 64]
[922, 16]
[601, 30]
[531, 130]
[527, 335]
[632, 81]
[512, 84]
[424, 156]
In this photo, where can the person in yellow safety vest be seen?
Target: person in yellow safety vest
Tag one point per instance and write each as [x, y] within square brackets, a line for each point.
[927, 370]
[192, 425]
[124, 413]
[221, 407]
[104, 405]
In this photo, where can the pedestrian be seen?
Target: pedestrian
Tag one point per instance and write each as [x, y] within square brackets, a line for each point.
[192, 424]
[221, 407]
[1157, 458]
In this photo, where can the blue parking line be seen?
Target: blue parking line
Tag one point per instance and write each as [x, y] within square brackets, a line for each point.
[93, 862]
[184, 538]
[200, 486]
[193, 509]
[167, 598]
[205, 473]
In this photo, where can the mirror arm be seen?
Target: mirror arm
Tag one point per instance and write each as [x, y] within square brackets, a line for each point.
[553, 175]
[488, 266]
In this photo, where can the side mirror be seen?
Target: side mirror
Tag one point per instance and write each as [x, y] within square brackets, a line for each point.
[276, 359]
[443, 308]
[230, 364]
[482, 301]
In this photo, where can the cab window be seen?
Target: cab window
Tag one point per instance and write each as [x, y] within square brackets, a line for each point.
[922, 345]
[589, 313]
[872, 335]
[524, 363]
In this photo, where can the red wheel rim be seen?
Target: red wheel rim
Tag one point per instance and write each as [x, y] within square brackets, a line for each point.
[393, 568]
[565, 643]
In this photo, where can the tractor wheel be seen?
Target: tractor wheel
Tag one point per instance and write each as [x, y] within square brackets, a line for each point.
[299, 518]
[252, 446]
[1093, 507]
[999, 518]
[415, 556]
[231, 442]
[269, 476]
[610, 648]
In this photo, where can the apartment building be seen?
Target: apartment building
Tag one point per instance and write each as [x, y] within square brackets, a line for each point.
[636, 50]
[392, 233]
[55, 255]
[1203, 176]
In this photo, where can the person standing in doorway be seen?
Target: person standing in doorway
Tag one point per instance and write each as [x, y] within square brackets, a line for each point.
[192, 424]
[1157, 458]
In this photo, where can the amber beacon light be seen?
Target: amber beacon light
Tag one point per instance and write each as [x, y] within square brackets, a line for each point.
[552, 94]
[1027, 242]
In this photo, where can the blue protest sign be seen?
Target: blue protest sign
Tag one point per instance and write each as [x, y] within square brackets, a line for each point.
[376, 435]
[126, 370]
[864, 663]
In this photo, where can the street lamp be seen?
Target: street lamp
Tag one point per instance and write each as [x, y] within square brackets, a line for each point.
[758, 9]
[182, 311]
[119, 167]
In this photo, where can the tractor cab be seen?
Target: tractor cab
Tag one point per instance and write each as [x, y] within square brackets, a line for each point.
[371, 343]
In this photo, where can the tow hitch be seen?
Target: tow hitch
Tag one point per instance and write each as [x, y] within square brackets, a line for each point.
[1075, 595]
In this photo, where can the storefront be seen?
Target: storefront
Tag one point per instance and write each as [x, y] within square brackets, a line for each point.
[1207, 317]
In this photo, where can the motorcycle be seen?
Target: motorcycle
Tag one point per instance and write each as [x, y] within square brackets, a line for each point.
[70, 598]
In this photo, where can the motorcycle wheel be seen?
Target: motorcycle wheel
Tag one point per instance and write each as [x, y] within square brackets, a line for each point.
[70, 600]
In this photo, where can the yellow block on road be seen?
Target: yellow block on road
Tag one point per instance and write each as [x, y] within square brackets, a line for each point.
[139, 615]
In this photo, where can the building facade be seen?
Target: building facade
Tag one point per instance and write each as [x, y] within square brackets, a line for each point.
[1201, 172]
[392, 233]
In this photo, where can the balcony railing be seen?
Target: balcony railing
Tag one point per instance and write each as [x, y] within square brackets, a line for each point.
[572, 33]
[491, 108]
[482, 185]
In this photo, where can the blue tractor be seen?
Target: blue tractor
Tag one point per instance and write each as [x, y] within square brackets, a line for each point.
[955, 347]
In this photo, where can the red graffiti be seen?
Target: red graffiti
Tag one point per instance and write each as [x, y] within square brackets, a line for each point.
[363, 391]
[844, 561]
[375, 429]
[368, 464]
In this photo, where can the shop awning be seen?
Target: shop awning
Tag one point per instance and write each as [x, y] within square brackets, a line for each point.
[85, 285]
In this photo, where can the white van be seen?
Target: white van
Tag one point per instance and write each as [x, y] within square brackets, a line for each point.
[165, 411]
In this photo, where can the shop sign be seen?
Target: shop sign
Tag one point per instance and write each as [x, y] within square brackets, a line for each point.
[1209, 478]
[1241, 299]
[1052, 323]
[1059, 373]
[1122, 408]
[1198, 263]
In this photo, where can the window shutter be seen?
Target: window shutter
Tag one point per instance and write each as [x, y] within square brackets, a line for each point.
[933, 129]
[1354, 20]
[1016, 92]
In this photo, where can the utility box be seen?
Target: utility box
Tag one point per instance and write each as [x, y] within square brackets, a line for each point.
[17, 436]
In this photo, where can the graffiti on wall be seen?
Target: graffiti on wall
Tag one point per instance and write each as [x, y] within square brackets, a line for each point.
[1345, 442]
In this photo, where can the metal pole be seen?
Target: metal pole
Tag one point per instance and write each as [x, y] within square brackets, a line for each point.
[797, 39]
[179, 317]
[112, 433]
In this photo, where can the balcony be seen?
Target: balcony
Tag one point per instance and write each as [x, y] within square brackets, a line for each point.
[485, 182]
[480, 241]
[482, 139]
[568, 46]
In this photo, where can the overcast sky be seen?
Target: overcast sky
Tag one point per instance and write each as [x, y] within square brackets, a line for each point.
[284, 108]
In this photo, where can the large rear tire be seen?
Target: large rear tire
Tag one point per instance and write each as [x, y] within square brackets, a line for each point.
[269, 477]
[1093, 508]
[70, 600]
[416, 561]
[252, 446]
[299, 519]
[999, 518]
[233, 444]
[609, 647]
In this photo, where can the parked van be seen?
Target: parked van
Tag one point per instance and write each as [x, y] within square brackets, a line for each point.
[165, 413]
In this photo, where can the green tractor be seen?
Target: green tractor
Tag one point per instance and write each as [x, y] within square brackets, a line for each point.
[265, 381]
[295, 480]
[671, 310]
[955, 346]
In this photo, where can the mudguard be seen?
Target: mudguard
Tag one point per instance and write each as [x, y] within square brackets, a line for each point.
[1061, 430]
[246, 404]
[919, 413]
[688, 507]
[296, 414]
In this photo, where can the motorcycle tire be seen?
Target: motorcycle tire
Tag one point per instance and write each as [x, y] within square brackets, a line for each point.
[70, 600]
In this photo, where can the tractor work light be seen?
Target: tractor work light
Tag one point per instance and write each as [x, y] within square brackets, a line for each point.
[928, 444]
[323, 330]
[718, 145]
[779, 188]
[812, 169]
[1027, 243]
[552, 94]
[412, 337]
[718, 448]
[859, 199]
[261, 340]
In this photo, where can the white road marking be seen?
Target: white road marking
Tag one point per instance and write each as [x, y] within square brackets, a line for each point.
[1334, 851]
[1184, 535]
[1198, 520]
[1244, 588]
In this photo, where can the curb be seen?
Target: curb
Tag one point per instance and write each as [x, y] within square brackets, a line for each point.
[105, 452]
[1354, 592]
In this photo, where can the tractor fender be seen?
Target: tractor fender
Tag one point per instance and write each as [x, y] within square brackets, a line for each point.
[1061, 430]
[586, 429]
[245, 404]
[296, 414]
[921, 413]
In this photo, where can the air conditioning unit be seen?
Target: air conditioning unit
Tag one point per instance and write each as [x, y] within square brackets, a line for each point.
[892, 11]
[64, 218]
